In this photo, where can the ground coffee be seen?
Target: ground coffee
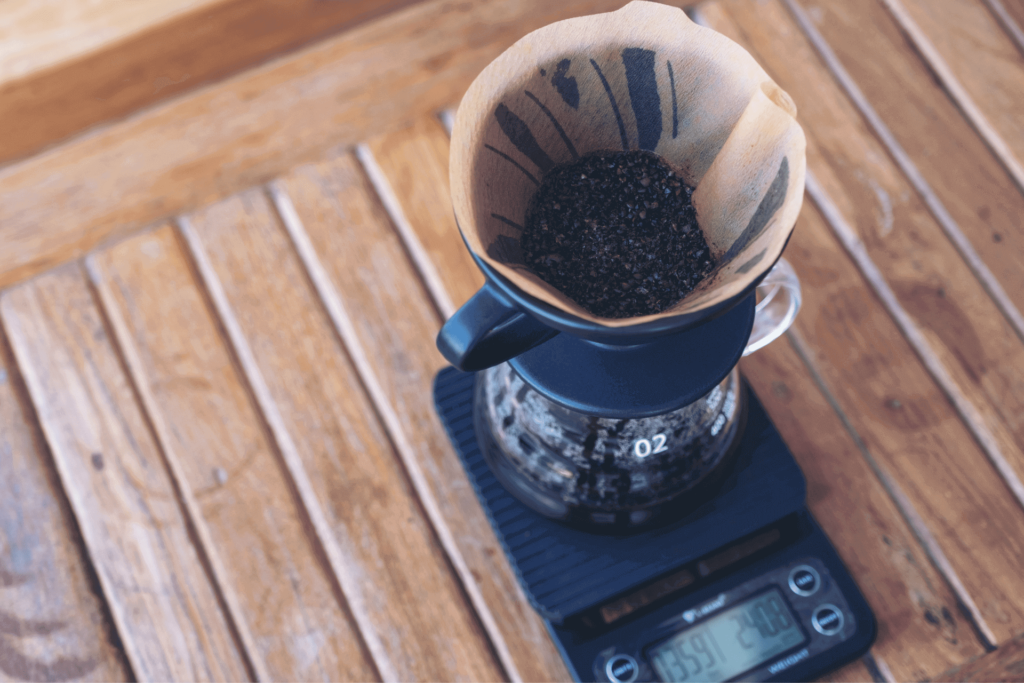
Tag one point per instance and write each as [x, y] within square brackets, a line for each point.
[617, 233]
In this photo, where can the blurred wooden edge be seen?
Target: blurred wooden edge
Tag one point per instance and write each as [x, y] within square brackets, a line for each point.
[212, 41]
[38, 34]
[1003, 664]
[248, 129]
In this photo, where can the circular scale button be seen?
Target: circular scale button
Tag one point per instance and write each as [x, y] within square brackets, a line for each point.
[622, 669]
[827, 620]
[804, 580]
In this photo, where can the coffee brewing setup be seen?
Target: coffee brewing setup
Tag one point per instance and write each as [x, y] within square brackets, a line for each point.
[651, 511]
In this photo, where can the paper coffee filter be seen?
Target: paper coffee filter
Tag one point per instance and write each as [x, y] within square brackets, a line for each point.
[643, 77]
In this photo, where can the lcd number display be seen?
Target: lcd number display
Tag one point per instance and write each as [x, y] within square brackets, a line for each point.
[726, 645]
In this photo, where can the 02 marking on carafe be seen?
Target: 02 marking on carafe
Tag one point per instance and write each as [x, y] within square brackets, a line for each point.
[642, 447]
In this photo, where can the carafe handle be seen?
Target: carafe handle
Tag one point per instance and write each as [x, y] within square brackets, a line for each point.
[779, 304]
[489, 329]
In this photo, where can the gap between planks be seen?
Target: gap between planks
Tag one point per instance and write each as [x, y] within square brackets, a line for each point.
[347, 583]
[344, 327]
[968, 412]
[447, 117]
[955, 89]
[445, 307]
[1007, 22]
[109, 586]
[420, 258]
[878, 669]
[393, 207]
[75, 564]
[907, 510]
[1005, 664]
[125, 349]
[853, 245]
[946, 221]
[861, 264]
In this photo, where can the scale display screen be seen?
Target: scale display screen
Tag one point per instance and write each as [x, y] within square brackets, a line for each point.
[730, 643]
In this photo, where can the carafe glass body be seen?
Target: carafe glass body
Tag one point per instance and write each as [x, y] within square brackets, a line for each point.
[601, 472]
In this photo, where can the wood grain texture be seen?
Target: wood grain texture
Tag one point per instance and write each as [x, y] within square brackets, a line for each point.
[421, 208]
[930, 281]
[1009, 21]
[848, 236]
[911, 165]
[395, 325]
[412, 598]
[36, 34]
[854, 672]
[1016, 9]
[978, 64]
[907, 424]
[58, 204]
[138, 64]
[153, 577]
[271, 558]
[54, 625]
[920, 630]
[1005, 664]
[202, 537]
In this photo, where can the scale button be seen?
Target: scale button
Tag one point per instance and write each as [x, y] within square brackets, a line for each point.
[827, 620]
[622, 669]
[804, 580]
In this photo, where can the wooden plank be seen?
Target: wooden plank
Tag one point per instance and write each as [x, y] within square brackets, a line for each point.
[1005, 664]
[929, 281]
[912, 115]
[54, 625]
[206, 422]
[854, 672]
[968, 411]
[920, 630]
[394, 324]
[413, 600]
[150, 52]
[59, 204]
[977, 63]
[418, 198]
[1015, 8]
[160, 594]
[964, 405]
[908, 425]
[37, 34]
[1010, 16]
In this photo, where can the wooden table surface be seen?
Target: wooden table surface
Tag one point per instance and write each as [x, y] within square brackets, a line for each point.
[220, 290]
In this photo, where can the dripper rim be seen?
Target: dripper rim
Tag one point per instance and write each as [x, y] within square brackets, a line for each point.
[563, 321]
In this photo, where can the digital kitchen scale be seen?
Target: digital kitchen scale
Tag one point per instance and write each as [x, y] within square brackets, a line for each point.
[744, 587]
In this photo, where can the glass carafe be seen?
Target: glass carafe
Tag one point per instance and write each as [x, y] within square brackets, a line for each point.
[614, 474]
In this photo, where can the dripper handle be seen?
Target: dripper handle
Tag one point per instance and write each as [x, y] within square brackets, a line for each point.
[489, 329]
[779, 304]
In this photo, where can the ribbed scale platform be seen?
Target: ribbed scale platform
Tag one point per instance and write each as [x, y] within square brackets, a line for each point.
[564, 571]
